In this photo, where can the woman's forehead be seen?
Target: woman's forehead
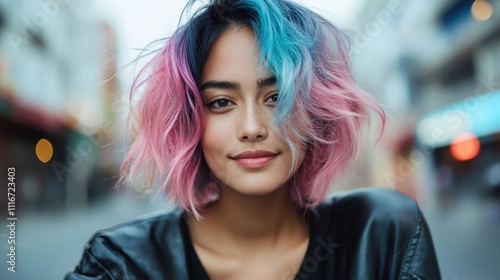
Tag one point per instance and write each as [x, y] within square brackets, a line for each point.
[235, 56]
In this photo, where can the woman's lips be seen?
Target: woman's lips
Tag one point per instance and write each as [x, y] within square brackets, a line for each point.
[256, 162]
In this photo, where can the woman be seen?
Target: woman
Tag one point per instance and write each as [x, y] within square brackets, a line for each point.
[246, 116]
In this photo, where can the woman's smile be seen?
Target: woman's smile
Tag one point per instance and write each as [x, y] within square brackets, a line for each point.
[257, 162]
[254, 159]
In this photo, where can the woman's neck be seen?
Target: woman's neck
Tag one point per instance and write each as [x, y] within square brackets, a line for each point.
[267, 221]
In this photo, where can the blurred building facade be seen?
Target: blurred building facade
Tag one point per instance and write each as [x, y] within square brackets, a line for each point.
[57, 82]
[435, 65]
[421, 57]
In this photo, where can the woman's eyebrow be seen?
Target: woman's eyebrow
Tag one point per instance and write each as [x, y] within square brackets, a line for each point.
[220, 85]
[270, 81]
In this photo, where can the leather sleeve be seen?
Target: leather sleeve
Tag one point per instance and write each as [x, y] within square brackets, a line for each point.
[382, 235]
[400, 236]
[420, 261]
[145, 248]
[91, 265]
[88, 268]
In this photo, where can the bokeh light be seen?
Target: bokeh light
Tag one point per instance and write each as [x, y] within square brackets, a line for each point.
[465, 146]
[44, 150]
[481, 10]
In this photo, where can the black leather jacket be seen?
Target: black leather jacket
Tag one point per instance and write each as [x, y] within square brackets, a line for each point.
[363, 234]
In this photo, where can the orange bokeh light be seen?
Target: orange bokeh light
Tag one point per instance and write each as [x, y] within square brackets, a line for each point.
[481, 10]
[465, 146]
[44, 150]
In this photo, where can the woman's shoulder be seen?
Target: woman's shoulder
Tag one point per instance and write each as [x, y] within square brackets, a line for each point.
[368, 204]
[151, 244]
[143, 228]
[379, 224]
[378, 211]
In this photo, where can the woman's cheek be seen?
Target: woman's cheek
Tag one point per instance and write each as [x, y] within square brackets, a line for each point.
[217, 134]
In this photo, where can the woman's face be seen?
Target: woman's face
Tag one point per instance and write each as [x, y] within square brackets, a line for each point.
[239, 144]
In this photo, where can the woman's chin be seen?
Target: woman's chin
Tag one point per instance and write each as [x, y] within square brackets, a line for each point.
[254, 189]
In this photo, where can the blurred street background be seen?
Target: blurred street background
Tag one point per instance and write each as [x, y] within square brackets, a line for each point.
[66, 67]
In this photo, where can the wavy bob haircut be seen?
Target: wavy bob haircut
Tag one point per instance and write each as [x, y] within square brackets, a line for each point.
[318, 102]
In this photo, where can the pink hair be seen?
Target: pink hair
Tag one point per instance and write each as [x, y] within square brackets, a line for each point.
[329, 112]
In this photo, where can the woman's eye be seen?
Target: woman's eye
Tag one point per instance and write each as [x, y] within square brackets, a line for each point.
[273, 98]
[219, 103]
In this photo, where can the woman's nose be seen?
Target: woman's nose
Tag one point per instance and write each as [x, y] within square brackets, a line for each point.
[253, 124]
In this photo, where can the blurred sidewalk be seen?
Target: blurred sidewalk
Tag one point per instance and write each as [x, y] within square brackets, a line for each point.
[466, 239]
